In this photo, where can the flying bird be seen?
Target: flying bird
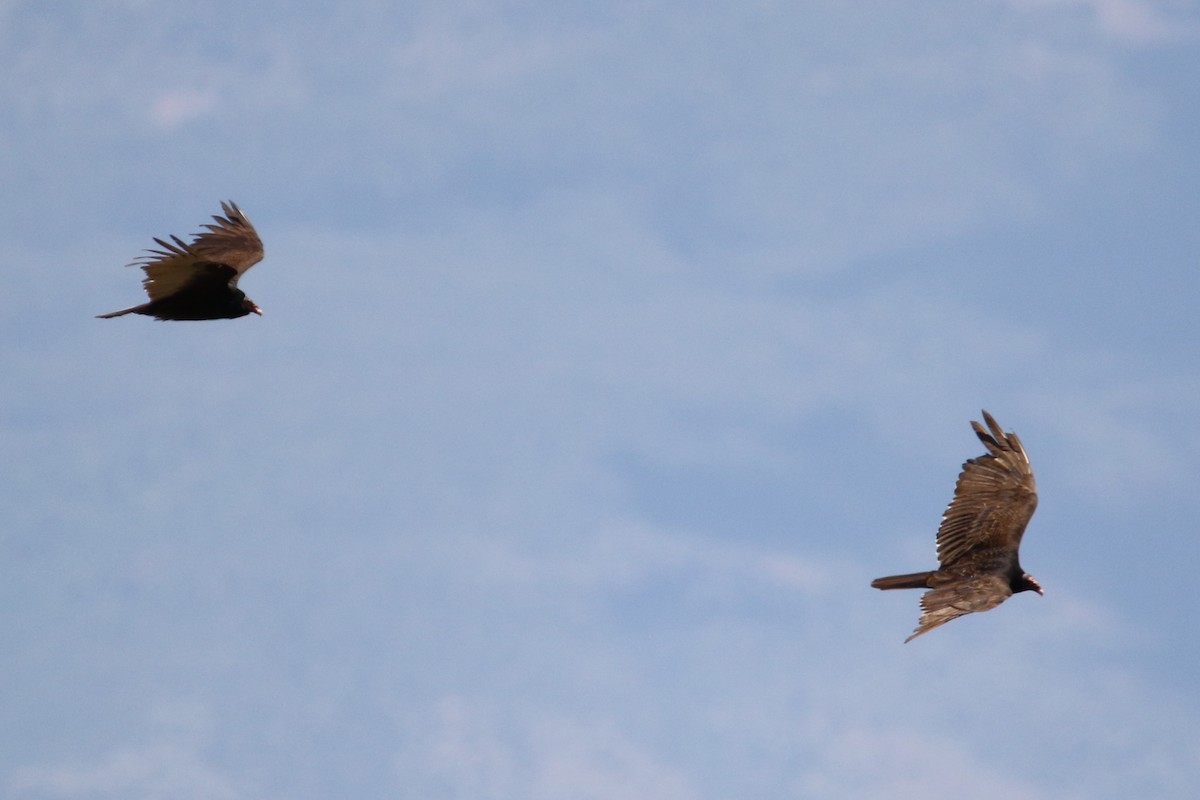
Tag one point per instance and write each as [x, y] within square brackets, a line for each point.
[980, 535]
[199, 280]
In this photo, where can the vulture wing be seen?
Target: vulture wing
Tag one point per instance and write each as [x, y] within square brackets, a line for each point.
[231, 242]
[993, 501]
[958, 596]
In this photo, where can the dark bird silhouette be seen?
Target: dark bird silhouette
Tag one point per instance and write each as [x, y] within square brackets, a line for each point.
[980, 535]
[199, 280]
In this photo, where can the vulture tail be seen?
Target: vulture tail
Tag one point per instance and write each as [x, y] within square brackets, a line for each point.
[122, 312]
[914, 580]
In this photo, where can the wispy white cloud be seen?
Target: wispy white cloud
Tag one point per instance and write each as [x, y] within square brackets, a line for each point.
[856, 762]
[619, 554]
[149, 770]
[1138, 22]
[473, 49]
[1127, 441]
[172, 109]
[468, 750]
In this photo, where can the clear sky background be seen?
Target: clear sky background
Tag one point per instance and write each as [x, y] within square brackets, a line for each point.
[609, 351]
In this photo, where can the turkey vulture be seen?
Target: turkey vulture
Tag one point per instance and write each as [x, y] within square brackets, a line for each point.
[979, 536]
[199, 280]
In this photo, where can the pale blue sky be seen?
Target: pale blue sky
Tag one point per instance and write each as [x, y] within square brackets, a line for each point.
[609, 352]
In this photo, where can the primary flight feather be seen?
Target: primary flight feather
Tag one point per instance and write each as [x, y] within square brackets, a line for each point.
[198, 280]
[980, 535]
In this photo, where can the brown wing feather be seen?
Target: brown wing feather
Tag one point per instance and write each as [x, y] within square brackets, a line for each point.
[993, 500]
[958, 596]
[231, 241]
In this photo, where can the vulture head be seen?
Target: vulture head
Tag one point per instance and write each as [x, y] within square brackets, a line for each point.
[1026, 583]
[250, 306]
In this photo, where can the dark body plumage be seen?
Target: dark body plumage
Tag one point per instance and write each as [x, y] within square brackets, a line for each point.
[980, 535]
[199, 280]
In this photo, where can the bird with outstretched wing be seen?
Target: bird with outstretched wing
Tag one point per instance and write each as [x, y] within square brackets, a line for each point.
[980, 535]
[198, 280]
